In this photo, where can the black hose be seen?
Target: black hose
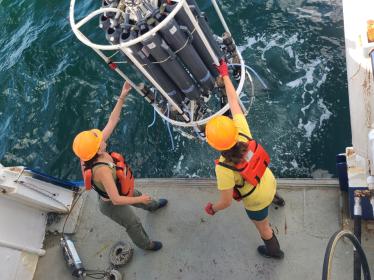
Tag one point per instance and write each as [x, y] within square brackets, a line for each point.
[330, 249]
[356, 256]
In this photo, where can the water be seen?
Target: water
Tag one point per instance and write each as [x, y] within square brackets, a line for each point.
[52, 87]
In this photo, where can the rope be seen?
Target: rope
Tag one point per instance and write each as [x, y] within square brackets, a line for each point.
[154, 113]
[162, 61]
[113, 54]
[154, 118]
[169, 130]
[181, 48]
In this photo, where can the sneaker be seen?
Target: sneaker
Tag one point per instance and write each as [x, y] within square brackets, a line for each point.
[155, 246]
[162, 202]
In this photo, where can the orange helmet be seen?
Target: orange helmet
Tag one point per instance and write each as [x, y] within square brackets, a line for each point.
[221, 133]
[87, 143]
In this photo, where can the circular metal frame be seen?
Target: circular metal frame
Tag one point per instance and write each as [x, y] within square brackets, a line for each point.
[123, 46]
[75, 26]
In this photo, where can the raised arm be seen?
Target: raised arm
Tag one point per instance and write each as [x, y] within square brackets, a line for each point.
[232, 97]
[115, 115]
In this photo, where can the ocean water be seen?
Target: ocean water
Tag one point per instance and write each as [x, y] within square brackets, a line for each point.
[52, 87]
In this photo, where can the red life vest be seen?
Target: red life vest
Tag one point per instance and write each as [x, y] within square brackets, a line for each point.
[253, 166]
[125, 178]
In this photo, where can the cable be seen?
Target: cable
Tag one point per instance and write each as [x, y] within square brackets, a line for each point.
[103, 275]
[154, 118]
[154, 113]
[330, 249]
[254, 72]
[169, 130]
[71, 210]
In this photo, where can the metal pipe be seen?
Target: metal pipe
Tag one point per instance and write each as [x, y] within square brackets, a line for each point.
[219, 13]
[200, 32]
[357, 213]
[39, 252]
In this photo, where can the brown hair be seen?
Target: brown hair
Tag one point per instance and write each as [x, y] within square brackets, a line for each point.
[236, 153]
[89, 163]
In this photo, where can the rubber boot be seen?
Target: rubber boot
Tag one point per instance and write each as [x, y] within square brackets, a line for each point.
[271, 248]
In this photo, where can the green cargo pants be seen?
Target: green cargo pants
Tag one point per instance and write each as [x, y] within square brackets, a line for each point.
[125, 216]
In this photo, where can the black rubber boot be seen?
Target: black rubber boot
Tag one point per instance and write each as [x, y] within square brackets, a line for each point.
[278, 200]
[271, 248]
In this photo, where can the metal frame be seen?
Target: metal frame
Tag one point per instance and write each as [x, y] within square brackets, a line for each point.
[124, 47]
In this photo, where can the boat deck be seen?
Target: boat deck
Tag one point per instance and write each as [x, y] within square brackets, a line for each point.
[222, 247]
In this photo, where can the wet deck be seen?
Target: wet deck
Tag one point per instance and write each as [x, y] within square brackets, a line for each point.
[222, 247]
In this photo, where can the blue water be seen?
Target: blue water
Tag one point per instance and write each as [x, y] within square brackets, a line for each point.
[52, 86]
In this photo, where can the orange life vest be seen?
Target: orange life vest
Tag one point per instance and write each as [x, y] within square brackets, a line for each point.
[253, 166]
[125, 178]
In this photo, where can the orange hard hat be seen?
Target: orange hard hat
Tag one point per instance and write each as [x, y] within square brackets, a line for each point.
[221, 133]
[87, 143]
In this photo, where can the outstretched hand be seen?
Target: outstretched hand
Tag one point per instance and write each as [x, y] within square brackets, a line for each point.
[125, 90]
[222, 68]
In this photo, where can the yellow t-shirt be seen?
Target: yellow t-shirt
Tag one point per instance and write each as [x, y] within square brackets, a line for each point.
[227, 178]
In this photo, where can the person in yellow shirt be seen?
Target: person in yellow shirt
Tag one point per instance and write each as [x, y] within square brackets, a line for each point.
[258, 190]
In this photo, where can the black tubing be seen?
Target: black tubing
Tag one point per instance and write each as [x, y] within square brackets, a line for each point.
[205, 27]
[330, 249]
[154, 70]
[356, 256]
[183, 19]
[156, 47]
[179, 42]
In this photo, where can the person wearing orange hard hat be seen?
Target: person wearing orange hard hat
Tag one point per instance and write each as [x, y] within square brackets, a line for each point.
[242, 170]
[112, 178]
